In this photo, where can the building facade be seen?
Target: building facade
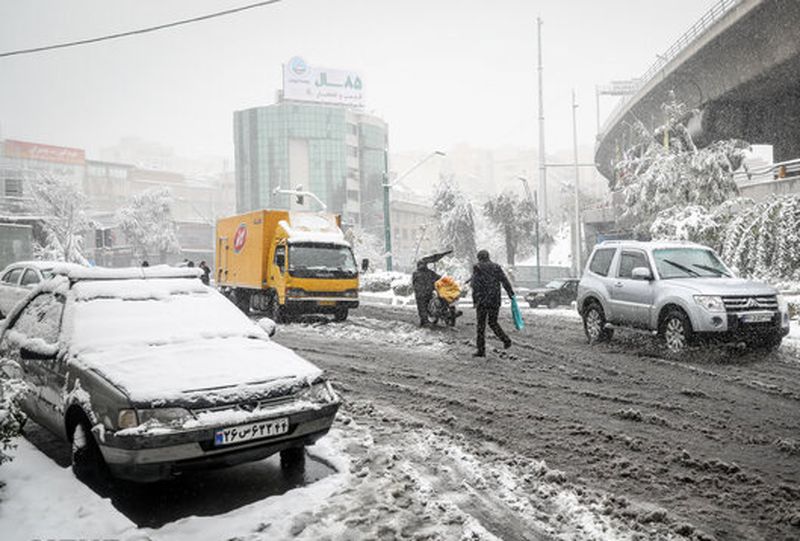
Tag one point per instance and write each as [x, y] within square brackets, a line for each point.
[332, 151]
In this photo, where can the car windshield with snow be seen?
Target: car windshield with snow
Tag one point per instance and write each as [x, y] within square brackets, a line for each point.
[150, 373]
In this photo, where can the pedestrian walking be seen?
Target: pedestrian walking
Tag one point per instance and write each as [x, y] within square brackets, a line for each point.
[206, 276]
[423, 280]
[487, 277]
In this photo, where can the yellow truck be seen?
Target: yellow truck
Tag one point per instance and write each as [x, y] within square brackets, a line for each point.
[285, 263]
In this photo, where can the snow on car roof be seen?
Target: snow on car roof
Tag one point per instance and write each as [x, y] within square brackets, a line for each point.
[41, 265]
[652, 244]
[76, 272]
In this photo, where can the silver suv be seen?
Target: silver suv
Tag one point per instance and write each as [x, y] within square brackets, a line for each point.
[680, 290]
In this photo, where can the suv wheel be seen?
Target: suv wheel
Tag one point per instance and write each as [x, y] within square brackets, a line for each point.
[594, 324]
[552, 304]
[676, 330]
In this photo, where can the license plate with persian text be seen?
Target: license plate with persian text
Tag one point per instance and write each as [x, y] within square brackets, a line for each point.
[252, 431]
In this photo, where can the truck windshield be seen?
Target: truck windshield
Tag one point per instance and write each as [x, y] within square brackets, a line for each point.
[321, 261]
[689, 263]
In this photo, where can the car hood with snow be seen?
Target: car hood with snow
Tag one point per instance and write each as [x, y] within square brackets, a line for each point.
[175, 341]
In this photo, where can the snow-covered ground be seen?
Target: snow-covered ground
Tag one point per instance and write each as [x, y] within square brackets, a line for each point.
[393, 477]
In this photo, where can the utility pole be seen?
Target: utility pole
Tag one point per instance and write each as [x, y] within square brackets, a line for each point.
[387, 227]
[542, 160]
[535, 201]
[577, 257]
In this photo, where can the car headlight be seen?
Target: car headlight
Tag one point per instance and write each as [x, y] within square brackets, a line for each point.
[712, 303]
[783, 304]
[351, 293]
[172, 417]
[127, 419]
[318, 392]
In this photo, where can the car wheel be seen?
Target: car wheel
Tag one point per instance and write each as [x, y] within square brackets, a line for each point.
[552, 304]
[293, 461]
[676, 331]
[87, 460]
[340, 314]
[594, 324]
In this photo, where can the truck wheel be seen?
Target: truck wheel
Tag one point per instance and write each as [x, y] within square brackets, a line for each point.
[87, 460]
[594, 324]
[277, 313]
[340, 314]
[241, 299]
[676, 331]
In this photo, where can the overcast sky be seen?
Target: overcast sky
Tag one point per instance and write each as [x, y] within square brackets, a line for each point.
[439, 72]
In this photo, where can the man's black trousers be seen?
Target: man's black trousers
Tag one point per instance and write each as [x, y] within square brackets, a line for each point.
[490, 313]
[422, 308]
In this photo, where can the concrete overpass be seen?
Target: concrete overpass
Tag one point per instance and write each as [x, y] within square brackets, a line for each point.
[739, 66]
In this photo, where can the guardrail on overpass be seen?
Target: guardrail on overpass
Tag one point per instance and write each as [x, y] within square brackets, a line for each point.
[720, 8]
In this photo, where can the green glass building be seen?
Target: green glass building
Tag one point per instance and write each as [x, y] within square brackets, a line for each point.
[335, 152]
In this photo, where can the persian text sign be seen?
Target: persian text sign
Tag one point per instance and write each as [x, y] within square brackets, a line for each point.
[303, 83]
[46, 153]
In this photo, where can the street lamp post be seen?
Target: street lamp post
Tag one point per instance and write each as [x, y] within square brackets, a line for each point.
[387, 225]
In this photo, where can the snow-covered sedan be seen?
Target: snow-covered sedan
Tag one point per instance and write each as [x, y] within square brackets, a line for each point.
[18, 279]
[149, 373]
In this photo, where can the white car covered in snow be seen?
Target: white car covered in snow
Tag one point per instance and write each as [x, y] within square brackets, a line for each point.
[18, 279]
[148, 373]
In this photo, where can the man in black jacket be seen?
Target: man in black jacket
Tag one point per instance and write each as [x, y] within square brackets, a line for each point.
[487, 277]
[423, 280]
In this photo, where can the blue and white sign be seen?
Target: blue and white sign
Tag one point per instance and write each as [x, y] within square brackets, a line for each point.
[302, 82]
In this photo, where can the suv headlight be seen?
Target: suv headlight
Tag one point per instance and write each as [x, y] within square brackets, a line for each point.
[318, 392]
[171, 417]
[712, 303]
[783, 304]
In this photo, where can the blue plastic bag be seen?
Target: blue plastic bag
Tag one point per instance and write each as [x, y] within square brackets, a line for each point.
[517, 315]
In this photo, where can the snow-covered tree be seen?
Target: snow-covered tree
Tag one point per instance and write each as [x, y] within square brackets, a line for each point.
[61, 208]
[665, 171]
[148, 225]
[456, 219]
[366, 246]
[764, 240]
[697, 223]
[11, 392]
[515, 218]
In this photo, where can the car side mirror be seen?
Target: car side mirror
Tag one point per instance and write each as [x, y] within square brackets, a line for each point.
[28, 354]
[364, 265]
[268, 325]
[641, 273]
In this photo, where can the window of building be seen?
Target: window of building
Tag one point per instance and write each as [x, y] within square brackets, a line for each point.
[352, 151]
[13, 187]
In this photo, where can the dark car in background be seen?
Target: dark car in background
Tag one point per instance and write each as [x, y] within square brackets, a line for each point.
[560, 292]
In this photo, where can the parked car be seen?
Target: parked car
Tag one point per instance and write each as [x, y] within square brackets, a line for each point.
[680, 291]
[18, 279]
[148, 373]
[556, 293]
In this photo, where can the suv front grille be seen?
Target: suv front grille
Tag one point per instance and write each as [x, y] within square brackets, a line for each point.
[750, 303]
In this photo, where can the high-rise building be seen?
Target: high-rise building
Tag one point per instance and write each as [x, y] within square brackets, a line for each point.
[321, 141]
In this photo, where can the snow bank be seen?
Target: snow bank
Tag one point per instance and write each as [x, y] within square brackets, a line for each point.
[40, 500]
